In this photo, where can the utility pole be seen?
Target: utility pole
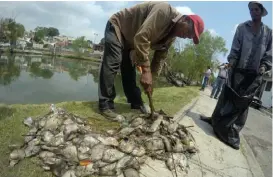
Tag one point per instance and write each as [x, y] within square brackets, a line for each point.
[95, 35]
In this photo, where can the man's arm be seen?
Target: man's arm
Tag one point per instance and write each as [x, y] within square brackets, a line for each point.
[266, 61]
[159, 58]
[155, 21]
[235, 51]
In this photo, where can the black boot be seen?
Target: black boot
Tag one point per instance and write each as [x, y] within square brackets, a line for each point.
[206, 119]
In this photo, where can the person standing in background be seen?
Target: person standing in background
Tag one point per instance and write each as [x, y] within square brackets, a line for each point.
[206, 78]
[250, 57]
[220, 80]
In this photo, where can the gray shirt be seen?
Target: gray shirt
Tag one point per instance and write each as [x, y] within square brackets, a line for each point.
[222, 72]
[250, 50]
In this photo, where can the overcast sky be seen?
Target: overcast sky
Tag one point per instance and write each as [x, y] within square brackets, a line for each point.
[86, 18]
[71, 18]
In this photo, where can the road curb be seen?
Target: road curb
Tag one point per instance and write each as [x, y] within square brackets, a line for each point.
[185, 109]
[251, 160]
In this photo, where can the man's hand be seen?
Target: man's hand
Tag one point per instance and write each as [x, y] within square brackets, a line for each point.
[262, 70]
[146, 80]
[232, 63]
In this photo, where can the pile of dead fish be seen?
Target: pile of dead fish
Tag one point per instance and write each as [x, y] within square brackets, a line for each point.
[67, 146]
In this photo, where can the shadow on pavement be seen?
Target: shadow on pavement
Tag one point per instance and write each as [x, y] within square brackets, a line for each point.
[203, 125]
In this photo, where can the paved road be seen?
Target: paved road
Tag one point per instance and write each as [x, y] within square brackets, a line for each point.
[258, 134]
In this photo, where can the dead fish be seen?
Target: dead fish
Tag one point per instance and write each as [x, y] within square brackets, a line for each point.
[52, 161]
[57, 140]
[136, 162]
[122, 163]
[167, 144]
[70, 152]
[29, 136]
[70, 128]
[90, 141]
[32, 150]
[71, 136]
[160, 155]
[47, 136]
[112, 155]
[76, 140]
[45, 167]
[136, 122]
[99, 164]
[49, 148]
[12, 163]
[97, 152]
[155, 124]
[176, 159]
[69, 173]
[172, 127]
[79, 120]
[68, 121]
[191, 148]
[126, 146]
[138, 151]
[130, 172]
[108, 170]
[125, 131]
[46, 154]
[108, 141]
[111, 132]
[58, 169]
[83, 152]
[170, 164]
[178, 146]
[17, 154]
[83, 171]
[182, 134]
[28, 121]
[154, 143]
[84, 129]
[42, 123]
[52, 123]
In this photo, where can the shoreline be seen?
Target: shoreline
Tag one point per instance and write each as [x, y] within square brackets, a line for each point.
[18, 51]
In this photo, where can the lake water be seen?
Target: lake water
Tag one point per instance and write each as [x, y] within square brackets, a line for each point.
[34, 79]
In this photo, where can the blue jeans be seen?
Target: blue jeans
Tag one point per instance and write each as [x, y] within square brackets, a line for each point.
[217, 87]
[205, 82]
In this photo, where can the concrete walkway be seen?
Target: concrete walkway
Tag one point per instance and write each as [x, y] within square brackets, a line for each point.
[215, 159]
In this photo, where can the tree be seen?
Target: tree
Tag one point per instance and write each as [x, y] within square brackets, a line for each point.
[78, 44]
[51, 32]
[10, 30]
[102, 41]
[42, 32]
[193, 60]
[9, 72]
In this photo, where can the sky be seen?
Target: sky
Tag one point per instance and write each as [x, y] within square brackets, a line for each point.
[86, 18]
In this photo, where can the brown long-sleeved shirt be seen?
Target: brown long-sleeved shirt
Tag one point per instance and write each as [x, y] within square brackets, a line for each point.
[146, 26]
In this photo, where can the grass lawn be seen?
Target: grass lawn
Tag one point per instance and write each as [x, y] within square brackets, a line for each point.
[169, 99]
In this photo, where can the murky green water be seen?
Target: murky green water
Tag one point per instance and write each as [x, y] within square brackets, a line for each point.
[42, 79]
[32, 79]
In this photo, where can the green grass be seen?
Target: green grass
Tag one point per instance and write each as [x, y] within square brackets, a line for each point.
[169, 99]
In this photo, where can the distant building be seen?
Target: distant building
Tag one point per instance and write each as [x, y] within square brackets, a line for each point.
[98, 47]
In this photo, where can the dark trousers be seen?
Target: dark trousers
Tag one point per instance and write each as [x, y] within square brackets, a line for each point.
[217, 86]
[116, 57]
[205, 82]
